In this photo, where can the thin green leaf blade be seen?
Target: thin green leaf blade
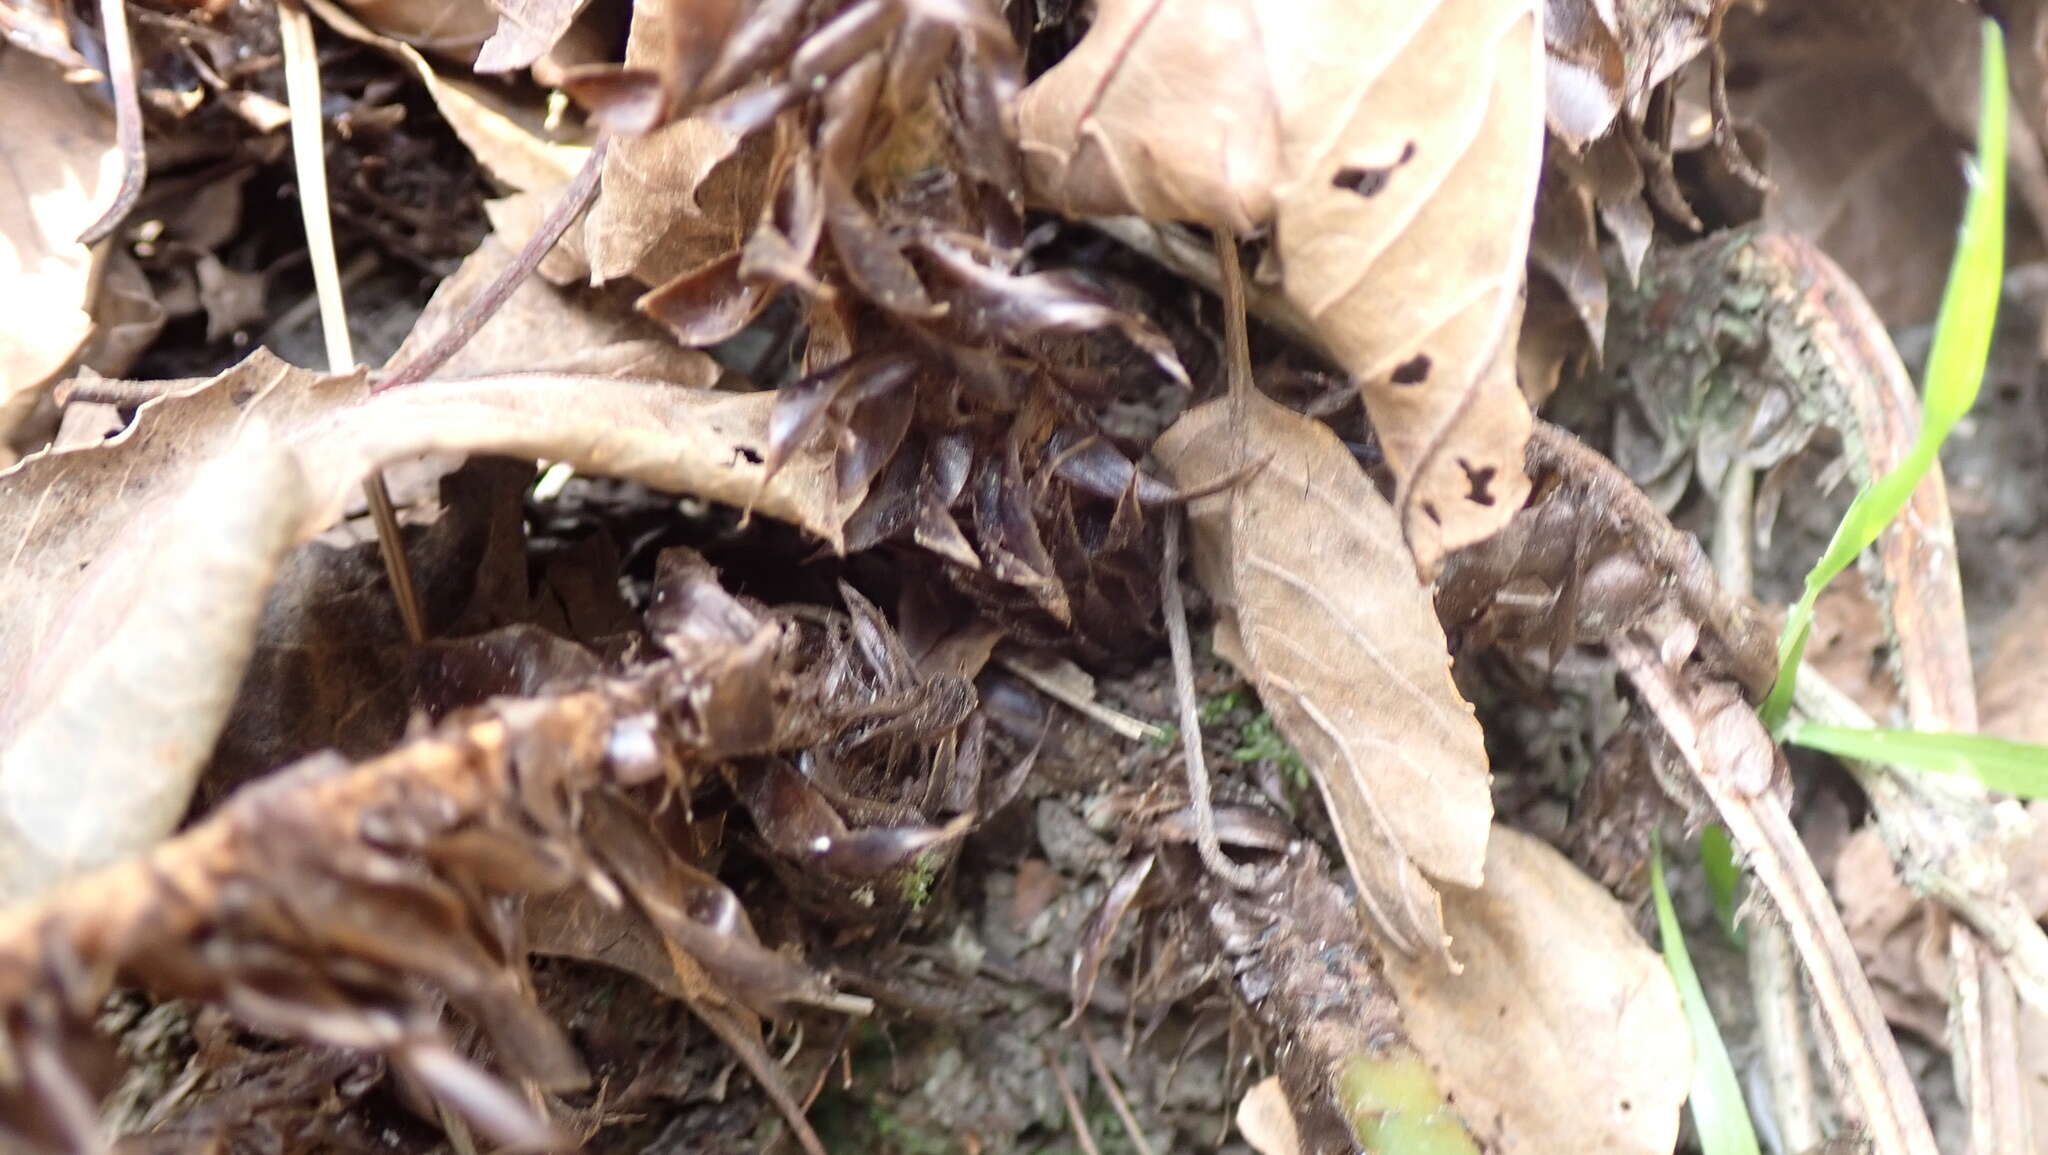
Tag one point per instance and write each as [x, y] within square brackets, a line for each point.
[1955, 370]
[2017, 768]
[1724, 876]
[1718, 1111]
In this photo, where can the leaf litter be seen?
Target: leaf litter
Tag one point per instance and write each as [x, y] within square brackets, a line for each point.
[794, 660]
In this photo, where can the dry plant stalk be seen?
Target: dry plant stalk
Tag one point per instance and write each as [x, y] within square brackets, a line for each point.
[309, 156]
[1717, 735]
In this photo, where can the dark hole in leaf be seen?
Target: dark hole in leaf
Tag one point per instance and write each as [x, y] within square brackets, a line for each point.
[752, 456]
[1430, 509]
[1480, 480]
[1368, 180]
[1413, 371]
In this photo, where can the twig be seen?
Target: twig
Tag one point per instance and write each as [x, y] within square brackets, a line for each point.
[309, 158]
[127, 121]
[1116, 1095]
[578, 196]
[1074, 1115]
[1237, 366]
[1944, 835]
[1192, 761]
[96, 390]
[1181, 252]
[352, 274]
[1773, 980]
[1781, 1029]
[1725, 747]
[1120, 723]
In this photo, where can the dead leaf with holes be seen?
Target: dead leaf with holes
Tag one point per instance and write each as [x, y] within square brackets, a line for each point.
[1393, 148]
[59, 178]
[137, 568]
[1319, 606]
[1564, 1032]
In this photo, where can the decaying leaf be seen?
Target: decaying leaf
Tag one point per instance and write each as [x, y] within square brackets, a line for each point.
[339, 904]
[506, 138]
[542, 329]
[526, 29]
[654, 219]
[137, 567]
[1585, 78]
[1607, 55]
[1393, 149]
[2010, 685]
[1320, 608]
[1569, 312]
[1266, 1121]
[62, 176]
[453, 30]
[1563, 1032]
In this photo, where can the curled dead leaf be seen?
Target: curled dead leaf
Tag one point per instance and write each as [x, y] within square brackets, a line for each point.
[137, 567]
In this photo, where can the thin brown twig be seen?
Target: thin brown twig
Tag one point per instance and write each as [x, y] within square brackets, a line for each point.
[1237, 362]
[1114, 720]
[97, 390]
[1074, 1115]
[127, 121]
[309, 158]
[1773, 972]
[1116, 1095]
[1192, 761]
[578, 196]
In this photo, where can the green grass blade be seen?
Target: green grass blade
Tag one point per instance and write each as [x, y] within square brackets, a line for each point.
[2017, 768]
[1718, 1112]
[1955, 369]
[1724, 877]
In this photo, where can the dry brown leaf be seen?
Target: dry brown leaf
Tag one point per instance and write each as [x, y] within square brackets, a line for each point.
[1565, 248]
[1606, 56]
[136, 569]
[1564, 1032]
[1266, 1121]
[1394, 149]
[660, 212]
[126, 317]
[1586, 72]
[506, 138]
[2013, 686]
[39, 26]
[1616, 178]
[60, 177]
[543, 329]
[452, 29]
[526, 30]
[517, 217]
[1320, 607]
